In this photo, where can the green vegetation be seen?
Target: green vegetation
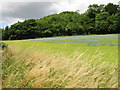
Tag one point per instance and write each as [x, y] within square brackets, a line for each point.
[39, 64]
[2, 45]
[0, 34]
[98, 19]
[76, 62]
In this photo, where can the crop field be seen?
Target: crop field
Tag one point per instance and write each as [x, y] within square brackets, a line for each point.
[97, 40]
[61, 62]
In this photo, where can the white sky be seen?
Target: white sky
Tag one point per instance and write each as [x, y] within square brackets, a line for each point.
[19, 10]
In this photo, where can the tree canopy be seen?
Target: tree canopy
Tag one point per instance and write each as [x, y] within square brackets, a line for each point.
[98, 19]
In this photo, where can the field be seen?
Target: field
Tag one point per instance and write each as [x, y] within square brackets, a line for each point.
[62, 62]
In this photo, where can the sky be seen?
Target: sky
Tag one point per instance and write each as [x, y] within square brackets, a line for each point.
[12, 11]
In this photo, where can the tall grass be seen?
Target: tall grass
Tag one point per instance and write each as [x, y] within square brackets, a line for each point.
[46, 69]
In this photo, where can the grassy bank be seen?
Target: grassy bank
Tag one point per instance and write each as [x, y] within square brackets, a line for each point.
[39, 64]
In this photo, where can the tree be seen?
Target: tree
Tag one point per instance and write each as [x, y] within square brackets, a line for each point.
[111, 8]
[87, 23]
[114, 23]
[101, 8]
[5, 33]
[98, 19]
[70, 29]
[47, 33]
[101, 23]
[93, 10]
[1, 30]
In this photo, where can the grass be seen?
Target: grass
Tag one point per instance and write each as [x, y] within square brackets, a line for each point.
[38, 64]
[49, 70]
[110, 52]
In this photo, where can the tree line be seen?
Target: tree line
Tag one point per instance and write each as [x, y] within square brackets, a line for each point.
[98, 19]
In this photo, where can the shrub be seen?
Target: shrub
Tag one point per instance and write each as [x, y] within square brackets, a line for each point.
[3, 45]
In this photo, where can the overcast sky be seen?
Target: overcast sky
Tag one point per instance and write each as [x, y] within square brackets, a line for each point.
[19, 10]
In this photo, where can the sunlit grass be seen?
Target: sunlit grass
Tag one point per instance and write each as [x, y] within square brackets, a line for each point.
[51, 70]
[110, 52]
[39, 64]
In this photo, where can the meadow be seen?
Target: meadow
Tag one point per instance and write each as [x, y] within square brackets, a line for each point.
[61, 62]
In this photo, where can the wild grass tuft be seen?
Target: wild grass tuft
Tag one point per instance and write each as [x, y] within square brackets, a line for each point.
[43, 69]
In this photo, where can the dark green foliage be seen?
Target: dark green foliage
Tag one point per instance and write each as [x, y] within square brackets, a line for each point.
[101, 23]
[1, 33]
[93, 10]
[114, 23]
[111, 8]
[98, 19]
[3, 45]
